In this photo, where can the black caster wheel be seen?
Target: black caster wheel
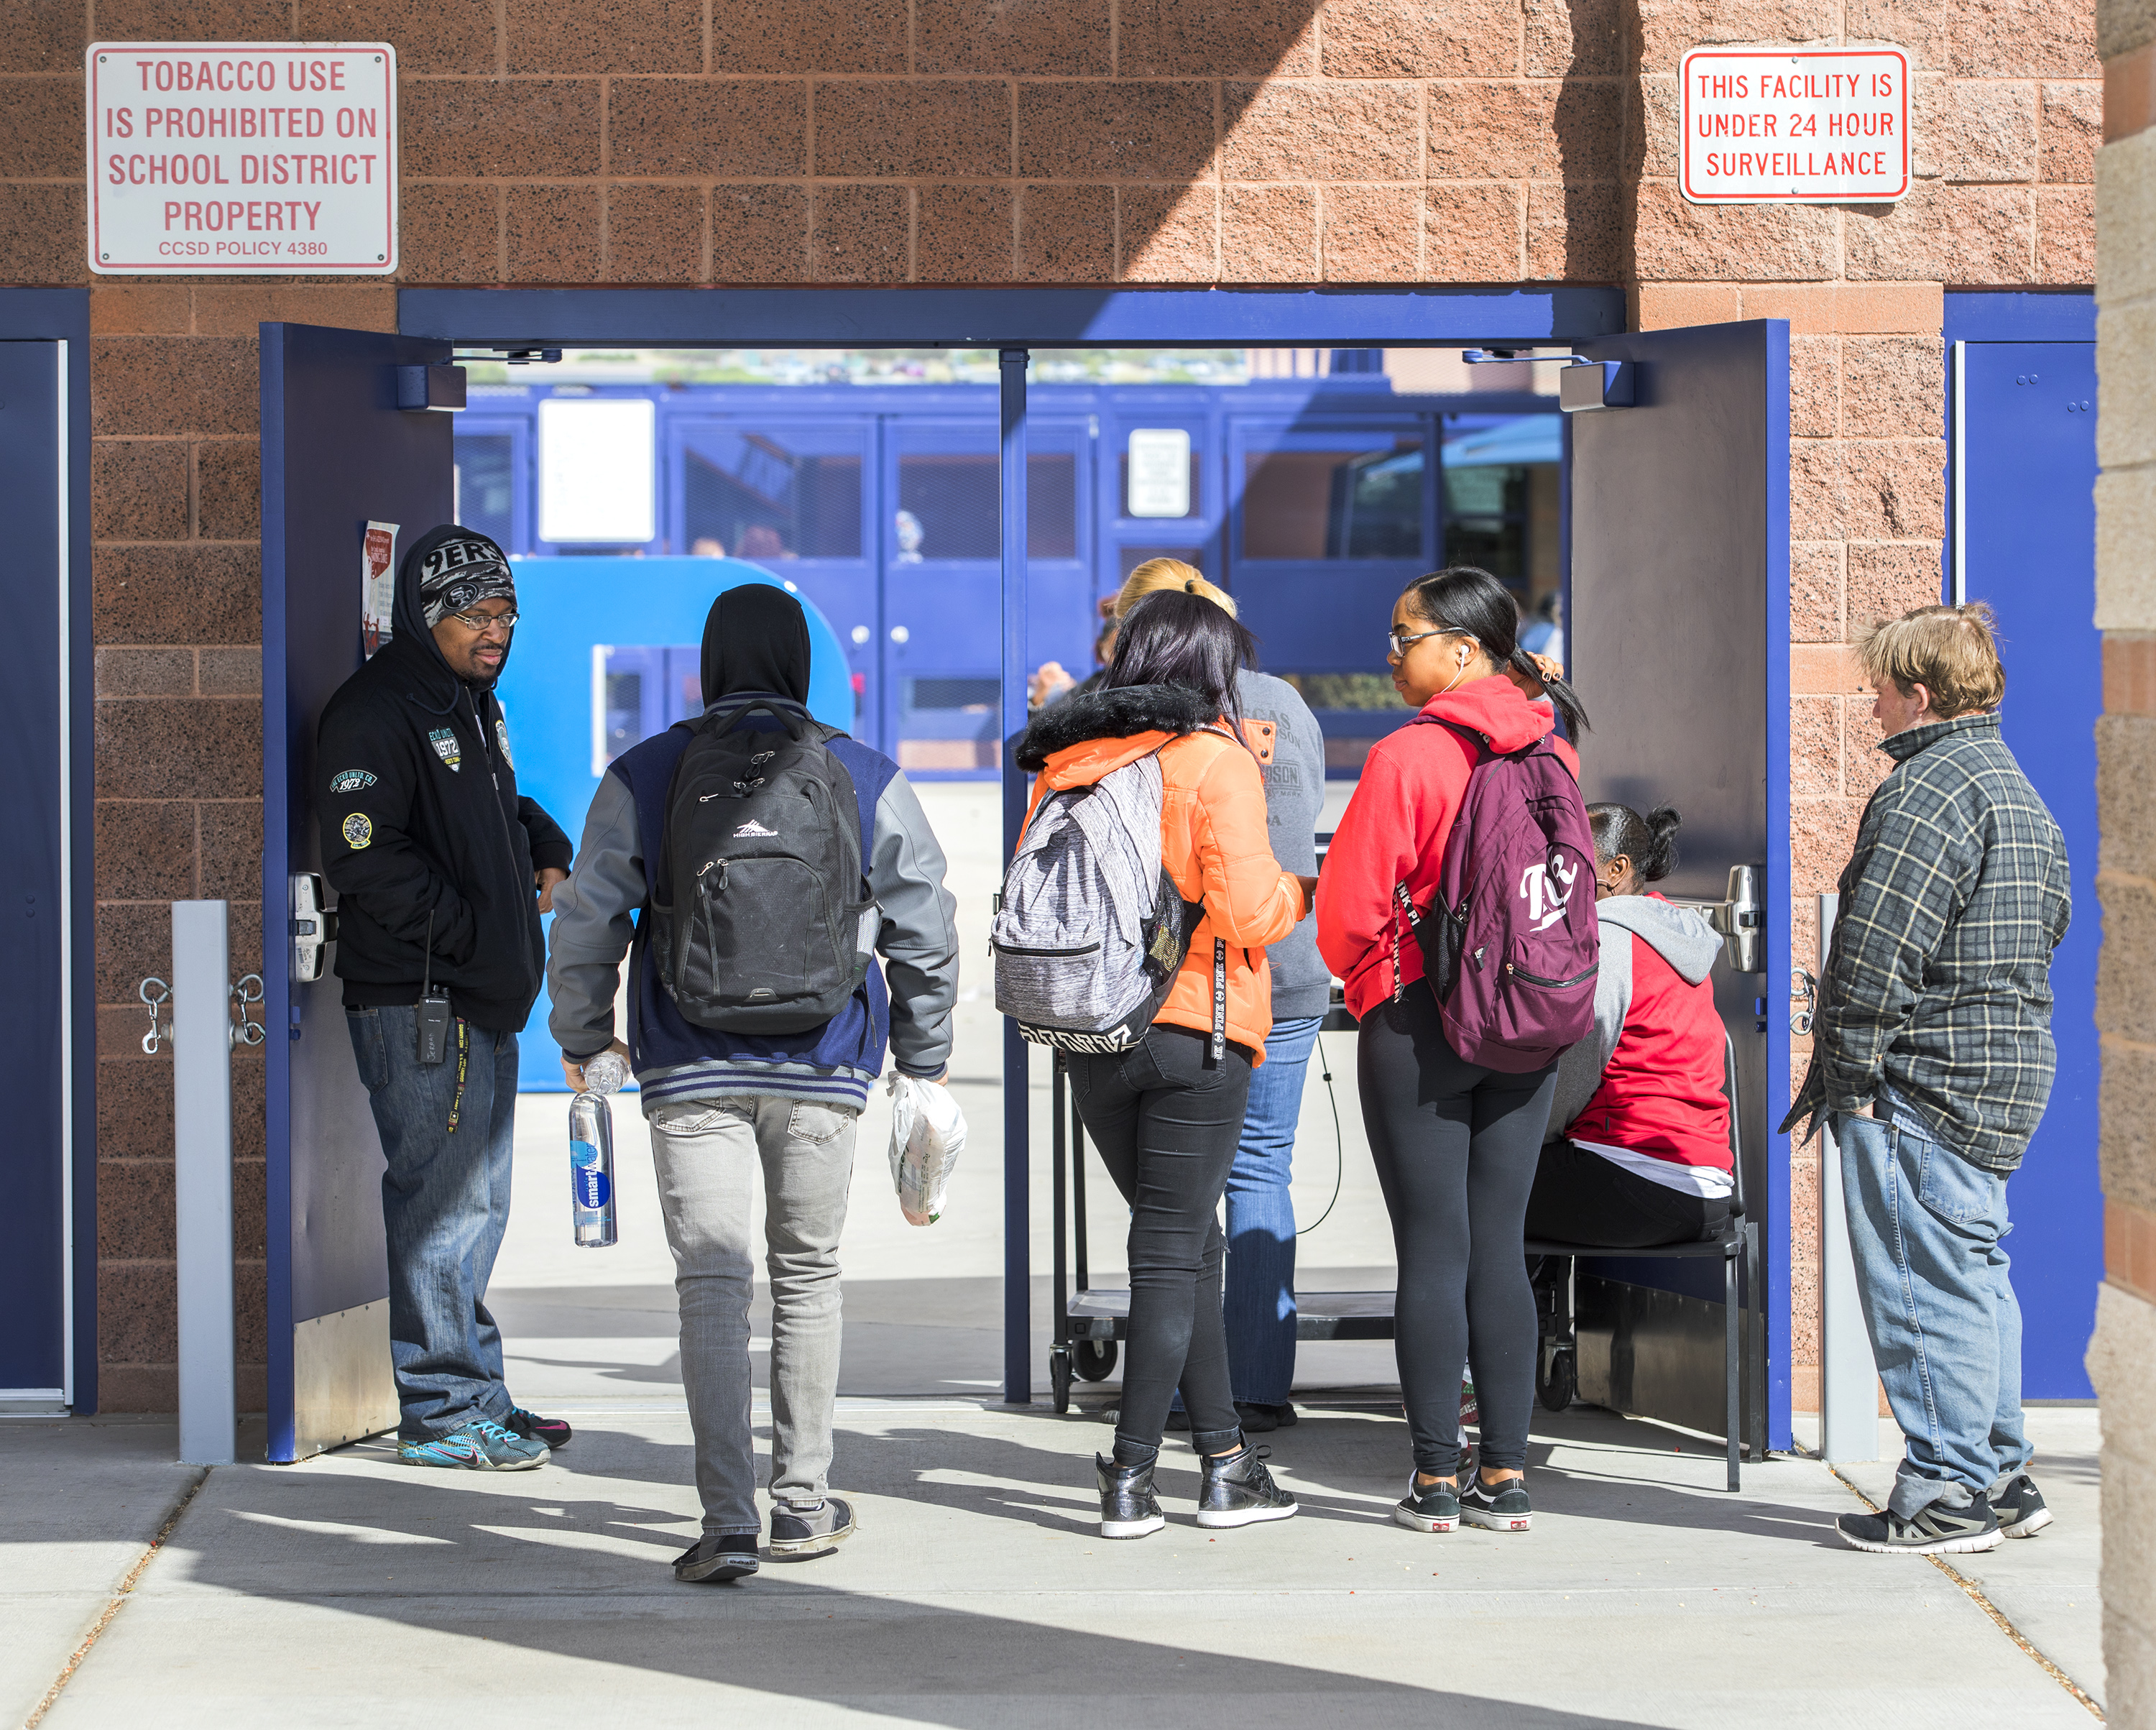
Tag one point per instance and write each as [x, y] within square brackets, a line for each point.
[1058, 1377]
[1556, 1381]
[1095, 1359]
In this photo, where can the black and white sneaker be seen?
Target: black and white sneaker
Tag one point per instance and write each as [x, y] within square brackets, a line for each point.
[809, 1528]
[1129, 1508]
[1428, 1508]
[1498, 1507]
[1936, 1531]
[2021, 1508]
[715, 1560]
[1236, 1490]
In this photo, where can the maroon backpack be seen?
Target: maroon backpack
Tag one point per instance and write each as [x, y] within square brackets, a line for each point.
[1511, 945]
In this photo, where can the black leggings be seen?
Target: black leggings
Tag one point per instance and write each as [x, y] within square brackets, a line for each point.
[1455, 1146]
[1167, 1125]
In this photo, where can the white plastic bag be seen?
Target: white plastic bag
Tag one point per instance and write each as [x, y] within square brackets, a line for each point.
[927, 1135]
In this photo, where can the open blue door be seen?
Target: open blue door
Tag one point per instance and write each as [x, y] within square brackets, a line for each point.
[2025, 478]
[337, 453]
[1678, 639]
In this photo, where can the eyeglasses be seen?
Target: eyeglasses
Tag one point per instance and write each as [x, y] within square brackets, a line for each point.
[485, 621]
[1400, 644]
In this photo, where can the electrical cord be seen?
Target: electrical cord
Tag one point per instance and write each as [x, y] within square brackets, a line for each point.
[1339, 1142]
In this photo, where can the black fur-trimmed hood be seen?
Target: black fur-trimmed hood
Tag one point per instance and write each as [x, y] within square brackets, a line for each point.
[1117, 714]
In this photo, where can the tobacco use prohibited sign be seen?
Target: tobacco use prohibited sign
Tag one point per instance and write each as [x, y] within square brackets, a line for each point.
[1807, 126]
[229, 158]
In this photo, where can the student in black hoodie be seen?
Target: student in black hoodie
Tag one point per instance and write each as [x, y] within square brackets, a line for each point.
[442, 870]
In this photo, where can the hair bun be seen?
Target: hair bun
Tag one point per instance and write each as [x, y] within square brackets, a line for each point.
[1663, 823]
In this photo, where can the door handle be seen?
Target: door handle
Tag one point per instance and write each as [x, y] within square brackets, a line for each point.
[314, 925]
[1738, 918]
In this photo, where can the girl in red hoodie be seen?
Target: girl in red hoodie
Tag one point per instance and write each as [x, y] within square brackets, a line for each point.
[1638, 1153]
[1455, 1144]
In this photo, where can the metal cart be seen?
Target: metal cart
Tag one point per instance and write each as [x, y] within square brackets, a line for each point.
[1090, 1321]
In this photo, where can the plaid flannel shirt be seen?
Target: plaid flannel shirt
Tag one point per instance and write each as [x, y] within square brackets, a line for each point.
[1938, 980]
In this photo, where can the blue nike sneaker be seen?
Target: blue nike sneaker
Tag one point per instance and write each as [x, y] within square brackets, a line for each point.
[481, 1445]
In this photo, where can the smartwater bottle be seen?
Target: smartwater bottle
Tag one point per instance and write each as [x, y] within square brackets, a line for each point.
[591, 1155]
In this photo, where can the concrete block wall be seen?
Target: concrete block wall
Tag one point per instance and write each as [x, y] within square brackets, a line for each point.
[1078, 141]
[2120, 1357]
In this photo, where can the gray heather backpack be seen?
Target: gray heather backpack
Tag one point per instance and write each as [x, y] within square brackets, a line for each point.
[1090, 929]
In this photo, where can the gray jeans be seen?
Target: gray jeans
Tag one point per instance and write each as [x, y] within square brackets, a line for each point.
[706, 1152]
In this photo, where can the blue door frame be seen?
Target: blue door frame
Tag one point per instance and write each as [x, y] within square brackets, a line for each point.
[2021, 535]
[1014, 320]
[49, 1280]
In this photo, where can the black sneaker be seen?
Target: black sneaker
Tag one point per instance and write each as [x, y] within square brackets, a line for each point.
[1433, 1507]
[1936, 1531]
[1129, 1508]
[1498, 1507]
[713, 1561]
[1238, 1491]
[1257, 1418]
[552, 1431]
[809, 1528]
[2020, 1508]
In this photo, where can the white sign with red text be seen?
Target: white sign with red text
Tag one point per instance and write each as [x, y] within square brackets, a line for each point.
[1810, 127]
[243, 158]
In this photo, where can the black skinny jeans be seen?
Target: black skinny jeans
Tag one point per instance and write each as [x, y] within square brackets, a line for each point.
[1456, 1147]
[1167, 1126]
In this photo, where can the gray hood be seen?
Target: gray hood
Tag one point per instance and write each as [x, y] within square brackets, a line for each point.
[1679, 936]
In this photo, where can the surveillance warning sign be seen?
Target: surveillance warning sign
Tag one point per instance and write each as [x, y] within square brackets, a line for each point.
[232, 158]
[1777, 126]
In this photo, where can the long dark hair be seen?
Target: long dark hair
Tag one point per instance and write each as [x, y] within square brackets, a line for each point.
[1650, 842]
[1171, 637]
[1473, 603]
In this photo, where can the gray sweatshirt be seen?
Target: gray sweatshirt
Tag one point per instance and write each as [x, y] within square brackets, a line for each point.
[1295, 796]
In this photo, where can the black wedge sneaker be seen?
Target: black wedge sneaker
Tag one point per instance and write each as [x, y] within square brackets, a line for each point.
[1238, 1491]
[1129, 1508]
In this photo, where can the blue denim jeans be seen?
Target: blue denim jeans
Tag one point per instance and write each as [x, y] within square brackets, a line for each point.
[1260, 1296]
[447, 1131]
[1924, 1231]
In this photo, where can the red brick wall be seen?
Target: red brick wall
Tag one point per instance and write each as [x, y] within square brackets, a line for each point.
[624, 141]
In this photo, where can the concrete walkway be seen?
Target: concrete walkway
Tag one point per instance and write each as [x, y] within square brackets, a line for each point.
[351, 1591]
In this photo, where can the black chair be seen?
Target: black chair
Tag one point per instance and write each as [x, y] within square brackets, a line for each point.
[1557, 1356]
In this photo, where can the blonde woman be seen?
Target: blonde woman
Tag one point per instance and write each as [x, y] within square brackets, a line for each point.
[1260, 1295]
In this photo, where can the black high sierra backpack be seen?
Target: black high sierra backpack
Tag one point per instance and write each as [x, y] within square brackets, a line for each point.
[761, 920]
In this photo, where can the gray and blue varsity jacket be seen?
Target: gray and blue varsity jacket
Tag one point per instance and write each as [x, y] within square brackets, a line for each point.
[595, 926]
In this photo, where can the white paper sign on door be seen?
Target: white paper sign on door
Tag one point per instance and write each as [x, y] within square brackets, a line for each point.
[1777, 126]
[261, 158]
[377, 585]
[1159, 471]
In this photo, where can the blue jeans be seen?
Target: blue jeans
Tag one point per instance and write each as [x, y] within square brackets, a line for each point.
[1924, 1231]
[1260, 1296]
[447, 1131]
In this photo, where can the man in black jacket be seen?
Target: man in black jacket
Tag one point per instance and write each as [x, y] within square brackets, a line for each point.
[436, 859]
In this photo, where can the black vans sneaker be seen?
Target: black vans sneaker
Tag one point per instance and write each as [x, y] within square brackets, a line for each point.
[2020, 1508]
[1129, 1508]
[1433, 1507]
[1498, 1507]
[1237, 1490]
[713, 1561]
[1936, 1531]
[809, 1528]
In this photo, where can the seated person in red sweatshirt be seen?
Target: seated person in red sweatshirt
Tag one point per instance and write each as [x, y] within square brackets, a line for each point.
[1637, 1148]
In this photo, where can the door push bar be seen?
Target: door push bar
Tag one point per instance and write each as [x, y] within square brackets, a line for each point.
[314, 926]
[1737, 918]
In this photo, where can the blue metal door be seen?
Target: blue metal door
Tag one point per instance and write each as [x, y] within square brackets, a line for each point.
[942, 596]
[336, 454]
[1679, 645]
[2025, 542]
[35, 1013]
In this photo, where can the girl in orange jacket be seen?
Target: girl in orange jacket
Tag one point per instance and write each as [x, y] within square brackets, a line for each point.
[1164, 1114]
